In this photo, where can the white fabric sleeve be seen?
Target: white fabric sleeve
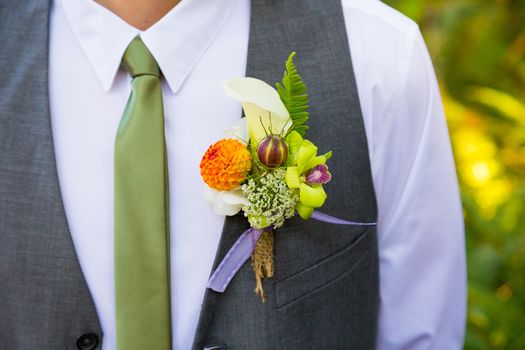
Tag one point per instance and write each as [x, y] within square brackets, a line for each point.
[420, 225]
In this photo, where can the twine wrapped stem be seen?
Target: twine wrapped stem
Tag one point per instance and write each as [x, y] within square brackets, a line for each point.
[262, 261]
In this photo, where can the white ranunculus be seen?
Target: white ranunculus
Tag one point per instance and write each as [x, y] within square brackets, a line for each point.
[226, 203]
[264, 110]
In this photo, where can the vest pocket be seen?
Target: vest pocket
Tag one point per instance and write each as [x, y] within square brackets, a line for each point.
[325, 272]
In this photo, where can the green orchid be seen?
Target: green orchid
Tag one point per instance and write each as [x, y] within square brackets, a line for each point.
[307, 172]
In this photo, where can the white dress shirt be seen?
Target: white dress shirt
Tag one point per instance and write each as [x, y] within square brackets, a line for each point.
[200, 44]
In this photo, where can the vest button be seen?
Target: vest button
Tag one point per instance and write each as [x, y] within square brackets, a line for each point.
[88, 341]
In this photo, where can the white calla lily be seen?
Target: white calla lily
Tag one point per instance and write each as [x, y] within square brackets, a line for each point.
[226, 203]
[264, 110]
[239, 131]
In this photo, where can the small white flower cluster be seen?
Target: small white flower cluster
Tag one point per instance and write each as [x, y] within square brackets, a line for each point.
[271, 201]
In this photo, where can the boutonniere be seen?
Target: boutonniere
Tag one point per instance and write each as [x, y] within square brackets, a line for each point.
[267, 169]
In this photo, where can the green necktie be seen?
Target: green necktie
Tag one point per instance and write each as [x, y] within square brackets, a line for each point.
[142, 272]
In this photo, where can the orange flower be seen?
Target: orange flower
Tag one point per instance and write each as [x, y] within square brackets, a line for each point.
[225, 164]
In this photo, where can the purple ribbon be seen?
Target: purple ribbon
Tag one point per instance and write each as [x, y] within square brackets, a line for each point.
[243, 248]
[317, 215]
[237, 255]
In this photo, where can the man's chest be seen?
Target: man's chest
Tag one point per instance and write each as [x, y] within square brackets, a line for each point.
[85, 119]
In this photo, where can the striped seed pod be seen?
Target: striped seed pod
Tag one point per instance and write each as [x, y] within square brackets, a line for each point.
[272, 151]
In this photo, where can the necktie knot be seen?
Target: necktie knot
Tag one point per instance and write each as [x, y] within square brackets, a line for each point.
[137, 59]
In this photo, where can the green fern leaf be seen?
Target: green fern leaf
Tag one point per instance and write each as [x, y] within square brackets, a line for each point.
[293, 93]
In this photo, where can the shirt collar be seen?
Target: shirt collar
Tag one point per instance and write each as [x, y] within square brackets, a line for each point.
[177, 40]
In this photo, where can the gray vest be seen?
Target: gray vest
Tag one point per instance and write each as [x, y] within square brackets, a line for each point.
[324, 294]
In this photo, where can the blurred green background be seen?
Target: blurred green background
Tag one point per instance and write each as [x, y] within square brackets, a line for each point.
[478, 49]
